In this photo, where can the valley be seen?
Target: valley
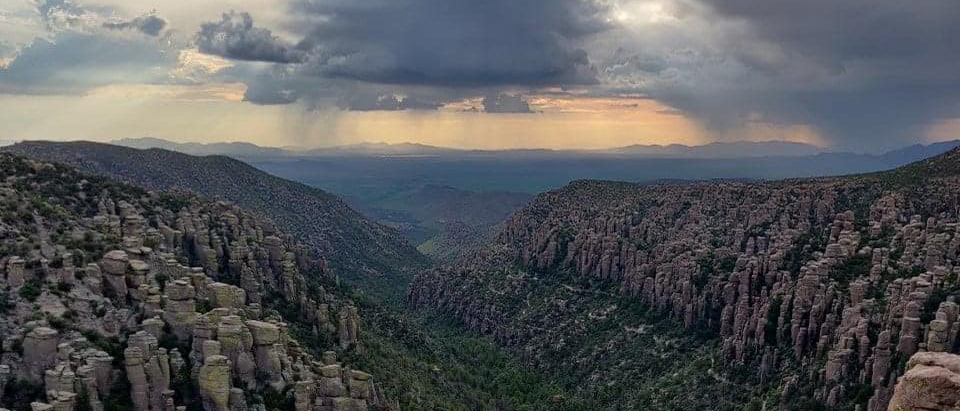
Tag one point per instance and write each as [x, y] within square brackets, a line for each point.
[791, 294]
[493, 205]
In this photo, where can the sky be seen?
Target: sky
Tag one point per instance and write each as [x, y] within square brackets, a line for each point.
[857, 75]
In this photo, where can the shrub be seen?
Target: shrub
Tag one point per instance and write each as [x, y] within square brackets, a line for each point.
[64, 287]
[204, 306]
[273, 400]
[118, 399]
[19, 393]
[70, 315]
[57, 323]
[30, 290]
[184, 391]
[83, 400]
[5, 304]
[17, 347]
[111, 345]
[169, 341]
[162, 281]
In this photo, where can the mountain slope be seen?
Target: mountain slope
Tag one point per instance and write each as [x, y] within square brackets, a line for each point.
[357, 248]
[116, 298]
[50, 212]
[794, 294]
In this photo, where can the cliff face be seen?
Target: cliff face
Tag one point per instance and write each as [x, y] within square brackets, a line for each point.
[114, 297]
[357, 248]
[812, 288]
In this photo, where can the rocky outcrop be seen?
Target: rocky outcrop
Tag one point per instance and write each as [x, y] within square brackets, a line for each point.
[180, 308]
[349, 327]
[159, 301]
[931, 382]
[39, 351]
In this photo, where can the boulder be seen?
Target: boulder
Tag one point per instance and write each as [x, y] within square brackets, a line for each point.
[264, 333]
[226, 296]
[931, 382]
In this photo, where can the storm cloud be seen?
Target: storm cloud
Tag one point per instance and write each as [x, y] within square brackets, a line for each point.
[452, 42]
[443, 43]
[506, 103]
[388, 102]
[860, 72]
[235, 37]
[148, 24]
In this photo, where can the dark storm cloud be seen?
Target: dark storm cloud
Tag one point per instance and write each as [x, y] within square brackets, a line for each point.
[276, 84]
[864, 73]
[458, 43]
[860, 72]
[842, 32]
[284, 84]
[430, 43]
[266, 94]
[149, 24]
[235, 37]
[374, 102]
[446, 49]
[505, 103]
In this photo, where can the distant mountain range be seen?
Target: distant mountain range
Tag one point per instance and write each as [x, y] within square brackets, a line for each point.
[200, 149]
[716, 150]
[371, 172]
[734, 149]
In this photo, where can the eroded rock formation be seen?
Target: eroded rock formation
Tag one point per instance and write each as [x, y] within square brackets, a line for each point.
[160, 301]
[821, 285]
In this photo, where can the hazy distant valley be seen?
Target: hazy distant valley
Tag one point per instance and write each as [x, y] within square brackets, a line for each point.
[370, 172]
[438, 196]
